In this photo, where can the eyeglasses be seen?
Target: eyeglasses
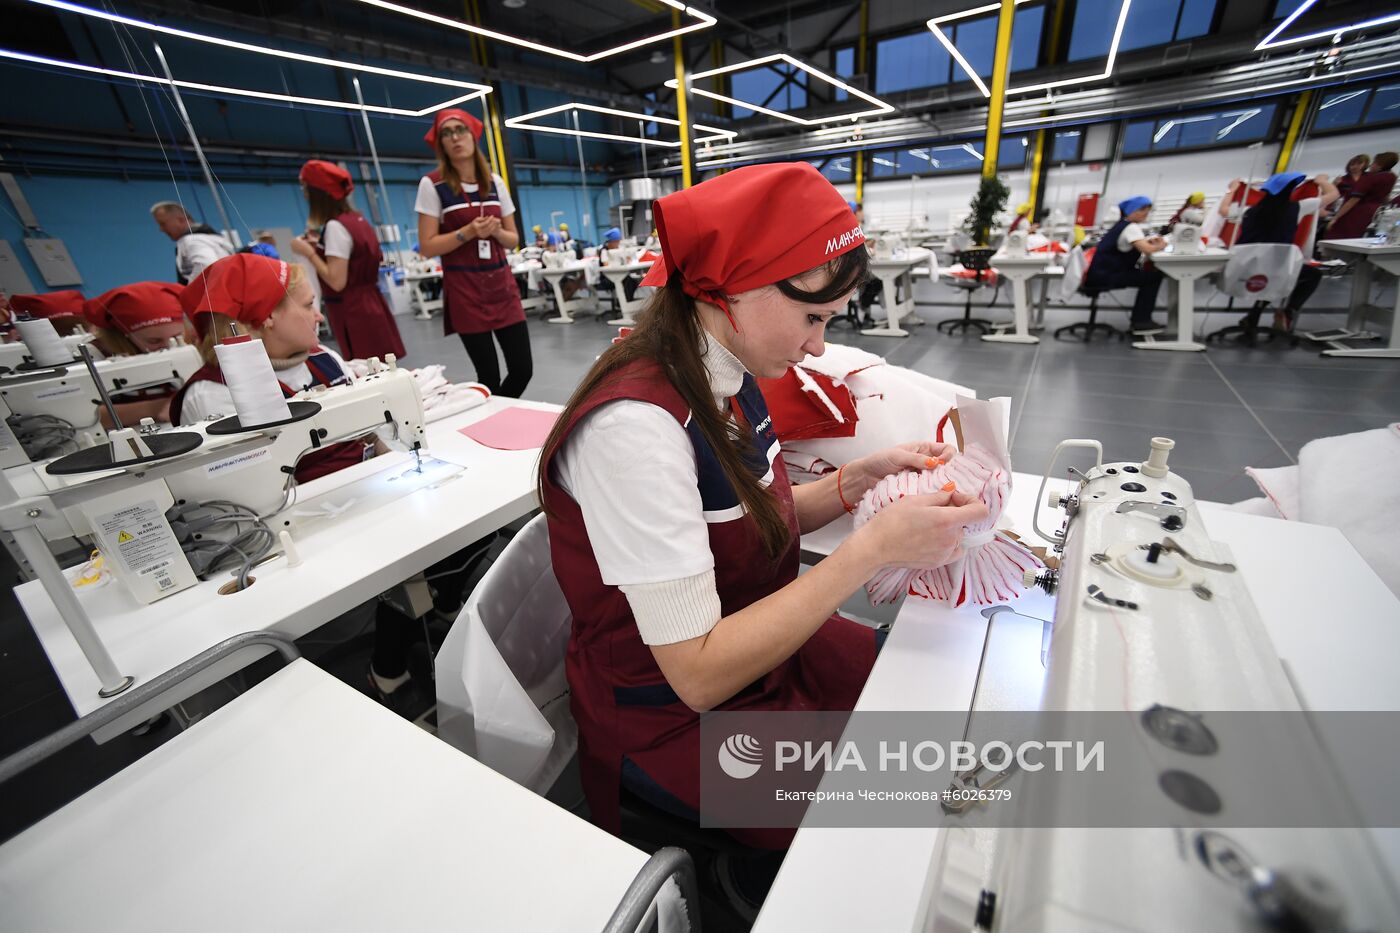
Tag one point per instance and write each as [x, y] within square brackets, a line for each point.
[452, 132]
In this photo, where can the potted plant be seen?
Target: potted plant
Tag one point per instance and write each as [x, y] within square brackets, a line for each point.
[989, 201]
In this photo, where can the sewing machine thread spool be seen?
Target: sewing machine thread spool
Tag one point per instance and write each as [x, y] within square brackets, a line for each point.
[1156, 464]
[43, 342]
[248, 373]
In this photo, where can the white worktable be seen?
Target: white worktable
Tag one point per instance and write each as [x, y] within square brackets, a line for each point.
[425, 305]
[617, 274]
[891, 272]
[304, 805]
[873, 879]
[1019, 271]
[347, 560]
[1387, 259]
[555, 276]
[1183, 270]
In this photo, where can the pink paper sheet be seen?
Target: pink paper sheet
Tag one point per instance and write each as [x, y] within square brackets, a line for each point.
[512, 429]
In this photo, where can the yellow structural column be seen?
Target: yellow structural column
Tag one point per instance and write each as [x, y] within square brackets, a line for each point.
[1295, 129]
[1037, 160]
[1001, 67]
[682, 106]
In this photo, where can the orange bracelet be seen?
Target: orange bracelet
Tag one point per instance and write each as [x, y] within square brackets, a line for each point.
[844, 504]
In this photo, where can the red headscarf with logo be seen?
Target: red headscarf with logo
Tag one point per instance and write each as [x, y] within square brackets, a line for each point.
[132, 307]
[751, 227]
[328, 177]
[245, 286]
[49, 305]
[443, 116]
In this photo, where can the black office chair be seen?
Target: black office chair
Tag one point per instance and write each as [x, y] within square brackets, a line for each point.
[1249, 331]
[1087, 329]
[979, 261]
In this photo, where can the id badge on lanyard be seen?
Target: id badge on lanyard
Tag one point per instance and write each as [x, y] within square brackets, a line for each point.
[483, 249]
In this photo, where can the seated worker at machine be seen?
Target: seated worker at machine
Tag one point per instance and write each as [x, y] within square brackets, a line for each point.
[571, 283]
[612, 240]
[1275, 219]
[1116, 262]
[274, 302]
[63, 309]
[142, 317]
[1192, 210]
[684, 590]
[538, 231]
[1022, 220]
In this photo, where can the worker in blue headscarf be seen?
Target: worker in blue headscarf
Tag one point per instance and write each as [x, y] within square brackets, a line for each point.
[1116, 262]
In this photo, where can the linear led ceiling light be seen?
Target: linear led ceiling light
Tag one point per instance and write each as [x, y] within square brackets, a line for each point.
[1240, 117]
[472, 90]
[943, 37]
[522, 122]
[702, 21]
[1272, 40]
[877, 105]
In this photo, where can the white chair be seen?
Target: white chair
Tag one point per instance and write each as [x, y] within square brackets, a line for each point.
[501, 691]
[1263, 274]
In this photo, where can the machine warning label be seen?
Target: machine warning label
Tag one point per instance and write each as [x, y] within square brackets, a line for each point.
[145, 543]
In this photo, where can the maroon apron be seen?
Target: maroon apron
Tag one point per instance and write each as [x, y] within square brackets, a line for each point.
[318, 463]
[620, 699]
[359, 317]
[479, 293]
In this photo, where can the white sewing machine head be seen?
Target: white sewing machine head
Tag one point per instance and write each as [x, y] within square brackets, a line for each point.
[1152, 619]
[64, 396]
[1186, 239]
[1388, 225]
[1015, 244]
[255, 475]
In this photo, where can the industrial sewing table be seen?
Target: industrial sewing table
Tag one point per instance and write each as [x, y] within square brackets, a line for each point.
[1387, 259]
[348, 558]
[931, 658]
[305, 805]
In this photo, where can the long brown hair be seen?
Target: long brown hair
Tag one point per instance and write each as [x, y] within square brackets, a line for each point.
[668, 332]
[454, 181]
[322, 207]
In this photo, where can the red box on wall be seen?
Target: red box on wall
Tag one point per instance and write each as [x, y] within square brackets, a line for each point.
[1086, 213]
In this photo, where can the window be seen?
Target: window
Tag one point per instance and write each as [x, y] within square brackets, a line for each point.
[836, 169]
[1285, 8]
[1148, 24]
[976, 40]
[1012, 153]
[1198, 130]
[907, 62]
[1385, 104]
[948, 158]
[1067, 146]
[844, 64]
[1341, 109]
[777, 87]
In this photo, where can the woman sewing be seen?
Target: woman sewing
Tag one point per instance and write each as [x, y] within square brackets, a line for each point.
[673, 527]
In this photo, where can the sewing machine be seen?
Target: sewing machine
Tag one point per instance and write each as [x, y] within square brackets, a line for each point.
[1015, 244]
[1152, 619]
[1186, 239]
[1387, 224]
[66, 393]
[15, 354]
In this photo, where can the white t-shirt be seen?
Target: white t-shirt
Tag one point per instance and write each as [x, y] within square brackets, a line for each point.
[1131, 234]
[429, 203]
[631, 468]
[210, 399]
[194, 252]
[336, 240]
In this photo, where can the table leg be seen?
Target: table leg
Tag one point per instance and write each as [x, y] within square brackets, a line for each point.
[1389, 352]
[1185, 322]
[556, 282]
[1019, 303]
[893, 309]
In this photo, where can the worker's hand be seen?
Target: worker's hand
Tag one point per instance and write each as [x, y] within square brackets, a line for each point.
[869, 470]
[924, 531]
[1157, 242]
[303, 246]
[1235, 183]
[492, 225]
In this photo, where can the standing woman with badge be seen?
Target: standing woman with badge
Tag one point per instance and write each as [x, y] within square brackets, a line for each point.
[465, 215]
[344, 250]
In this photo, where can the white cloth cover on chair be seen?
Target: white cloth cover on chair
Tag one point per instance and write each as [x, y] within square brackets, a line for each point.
[501, 691]
[1075, 267]
[1262, 271]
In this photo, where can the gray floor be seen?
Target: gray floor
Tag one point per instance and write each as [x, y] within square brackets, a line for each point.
[1228, 408]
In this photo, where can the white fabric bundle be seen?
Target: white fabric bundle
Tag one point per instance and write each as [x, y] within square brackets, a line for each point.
[441, 398]
[991, 564]
[893, 405]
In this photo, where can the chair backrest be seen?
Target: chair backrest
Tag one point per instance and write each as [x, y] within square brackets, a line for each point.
[1262, 271]
[978, 260]
[502, 694]
[1076, 265]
